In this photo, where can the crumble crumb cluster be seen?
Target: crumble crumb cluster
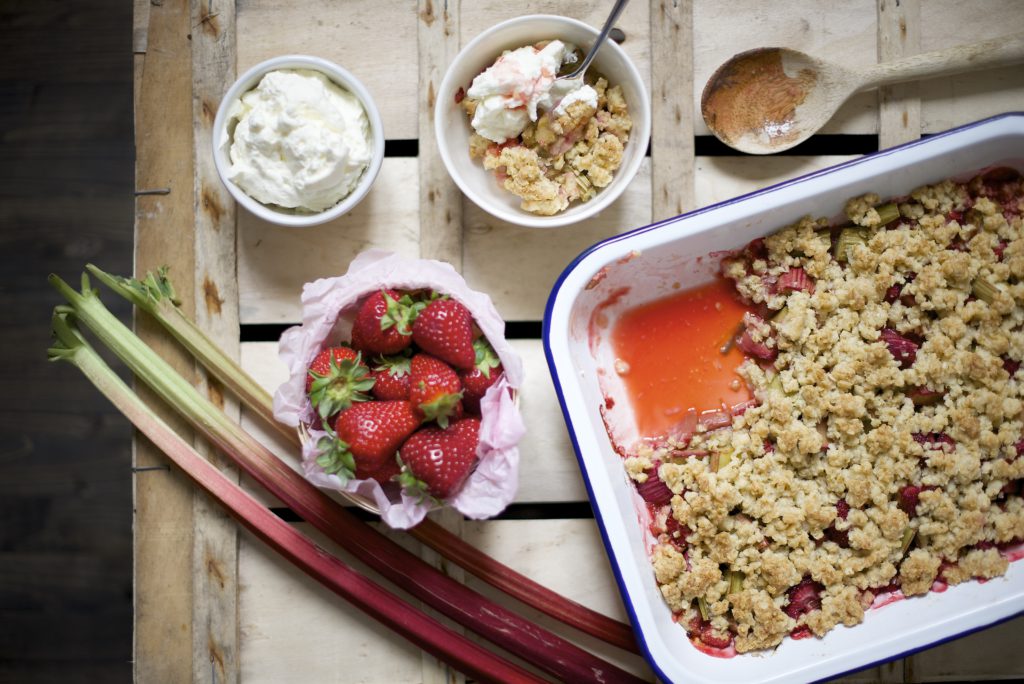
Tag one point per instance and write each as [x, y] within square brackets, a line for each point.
[883, 449]
[560, 159]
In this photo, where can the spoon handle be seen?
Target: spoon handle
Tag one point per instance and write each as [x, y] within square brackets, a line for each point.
[985, 55]
[609, 23]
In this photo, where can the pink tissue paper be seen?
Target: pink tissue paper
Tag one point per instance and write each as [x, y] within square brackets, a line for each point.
[329, 306]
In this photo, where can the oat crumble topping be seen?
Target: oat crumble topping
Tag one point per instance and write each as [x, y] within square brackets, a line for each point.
[884, 448]
[562, 159]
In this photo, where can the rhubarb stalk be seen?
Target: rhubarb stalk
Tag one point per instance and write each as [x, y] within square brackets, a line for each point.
[408, 621]
[490, 620]
[155, 295]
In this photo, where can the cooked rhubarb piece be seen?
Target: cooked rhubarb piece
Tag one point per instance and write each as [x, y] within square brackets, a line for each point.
[840, 537]
[714, 420]
[903, 349]
[934, 440]
[922, 396]
[654, 491]
[1011, 366]
[794, 280]
[676, 532]
[803, 598]
[909, 497]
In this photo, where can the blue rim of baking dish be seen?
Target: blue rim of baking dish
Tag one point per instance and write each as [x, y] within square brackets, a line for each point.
[546, 330]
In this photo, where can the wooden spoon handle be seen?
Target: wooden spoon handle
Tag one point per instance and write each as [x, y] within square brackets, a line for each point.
[986, 55]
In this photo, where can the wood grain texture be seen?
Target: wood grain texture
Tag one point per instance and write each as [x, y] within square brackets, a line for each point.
[375, 41]
[956, 100]
[215, 283]
[672, 117]
[899, 106]
[440, 199]
[440, 222]
[163, 498]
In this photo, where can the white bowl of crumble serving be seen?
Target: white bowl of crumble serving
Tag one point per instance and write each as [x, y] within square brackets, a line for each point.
[298, 140]
[533, 150]
[866, 502]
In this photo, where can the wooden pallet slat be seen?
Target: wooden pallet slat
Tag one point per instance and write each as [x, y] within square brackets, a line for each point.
[162, 541]
[215, 533]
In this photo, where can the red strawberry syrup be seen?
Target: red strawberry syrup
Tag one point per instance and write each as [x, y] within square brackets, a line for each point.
[671, 349]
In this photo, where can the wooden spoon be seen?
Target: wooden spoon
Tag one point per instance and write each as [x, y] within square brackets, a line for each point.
[770, 99]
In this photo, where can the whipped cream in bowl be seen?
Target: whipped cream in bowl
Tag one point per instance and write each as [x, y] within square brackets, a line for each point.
[298, 141]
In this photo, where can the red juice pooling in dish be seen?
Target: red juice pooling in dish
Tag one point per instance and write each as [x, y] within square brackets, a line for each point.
[669, 355]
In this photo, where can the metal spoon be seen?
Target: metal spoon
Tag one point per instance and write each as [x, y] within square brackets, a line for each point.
[605, 30]
[770, 99]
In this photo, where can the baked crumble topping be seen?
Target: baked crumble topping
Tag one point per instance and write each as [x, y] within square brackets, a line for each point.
[562, 157]
[882, 450]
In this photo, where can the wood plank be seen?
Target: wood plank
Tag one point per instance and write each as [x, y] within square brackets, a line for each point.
[899, 106]
[520, 284]
[289, 619]
[956, 100]
[295, 630]
[842, 29]
[215, 533]
[274, 262]
[163, 498]
[440, 199]
[548, 469]
[992, 654]
[374, 41]
[672, 117]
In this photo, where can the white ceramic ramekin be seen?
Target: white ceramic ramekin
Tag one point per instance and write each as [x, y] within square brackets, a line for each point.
[630, 269]
[222, 140]
[452, 129]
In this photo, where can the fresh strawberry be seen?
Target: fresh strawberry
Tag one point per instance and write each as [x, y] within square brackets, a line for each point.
[436, 461]
[383, 324]
[434, 388]
[803, 598]
[392, 378]
[485, 373]
[386, 473]
[445, 329]
[336, 379]
[368, 436]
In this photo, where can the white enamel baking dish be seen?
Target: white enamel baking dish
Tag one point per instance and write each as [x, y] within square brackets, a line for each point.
[651, 262]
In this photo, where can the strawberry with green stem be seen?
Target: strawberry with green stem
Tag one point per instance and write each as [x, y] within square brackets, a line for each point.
[434, 389]
[383, 324]
[436, 461]
[366, 437]
[336, 379]
[444, 328]
[485, 373]
[392, 378]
